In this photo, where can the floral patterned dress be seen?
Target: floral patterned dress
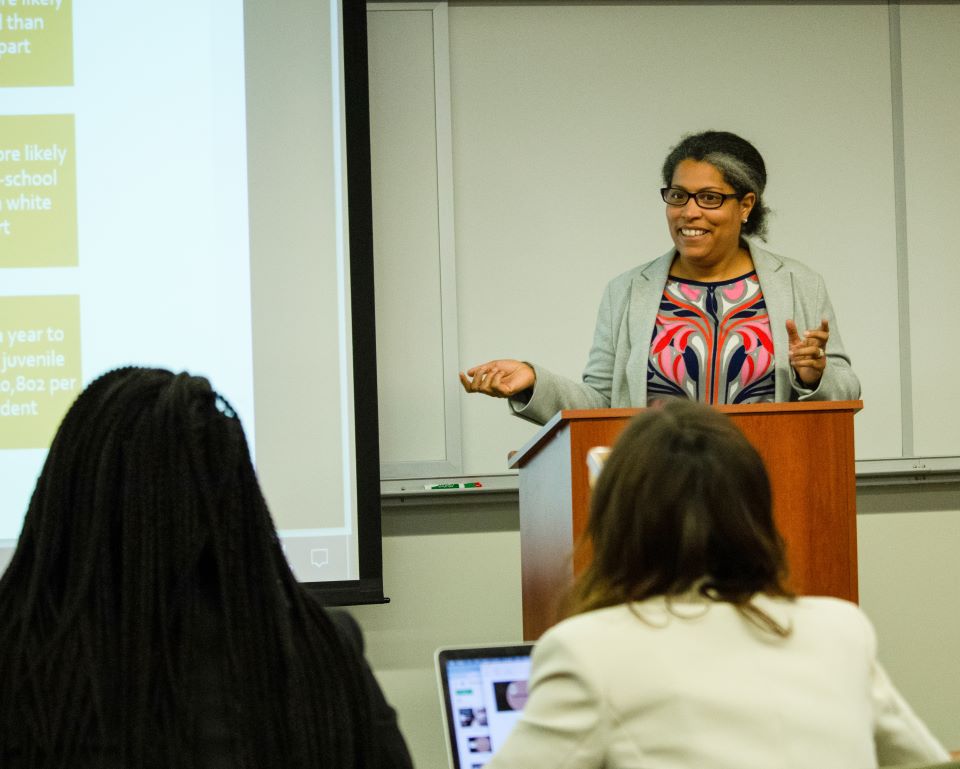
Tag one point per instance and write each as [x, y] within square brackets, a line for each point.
[712, 343]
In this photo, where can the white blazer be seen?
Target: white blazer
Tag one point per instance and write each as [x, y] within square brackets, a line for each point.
[699, 686]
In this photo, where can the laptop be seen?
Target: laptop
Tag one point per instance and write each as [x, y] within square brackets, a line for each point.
[482, 691]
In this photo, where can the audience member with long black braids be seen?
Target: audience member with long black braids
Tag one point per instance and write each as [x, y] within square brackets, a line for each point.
[148, 617]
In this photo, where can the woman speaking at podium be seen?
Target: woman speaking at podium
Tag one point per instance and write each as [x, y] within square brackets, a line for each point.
[716, 319]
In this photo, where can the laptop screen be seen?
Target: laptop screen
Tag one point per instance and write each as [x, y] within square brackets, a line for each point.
[482, 691]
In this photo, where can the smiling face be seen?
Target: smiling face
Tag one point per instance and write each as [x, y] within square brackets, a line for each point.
[707, 239]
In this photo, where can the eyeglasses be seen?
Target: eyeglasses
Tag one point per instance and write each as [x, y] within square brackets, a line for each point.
[674, 196]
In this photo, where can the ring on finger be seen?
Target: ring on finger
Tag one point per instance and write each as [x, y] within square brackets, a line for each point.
[820, 352]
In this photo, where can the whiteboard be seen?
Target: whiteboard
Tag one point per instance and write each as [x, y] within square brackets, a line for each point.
[411, 179]
[562, 114]
[930, 37]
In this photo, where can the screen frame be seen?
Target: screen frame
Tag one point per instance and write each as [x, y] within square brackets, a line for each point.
[368, 588]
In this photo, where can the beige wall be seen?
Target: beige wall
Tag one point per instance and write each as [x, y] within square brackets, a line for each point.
[908, 542]
[453, 578]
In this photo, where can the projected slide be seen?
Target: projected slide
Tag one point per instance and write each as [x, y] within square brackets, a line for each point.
[38, 207]
[125, 236]
[36, 42]
[40, 370]
[39, 367]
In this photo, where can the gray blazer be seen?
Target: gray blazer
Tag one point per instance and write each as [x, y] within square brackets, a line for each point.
[616, 371]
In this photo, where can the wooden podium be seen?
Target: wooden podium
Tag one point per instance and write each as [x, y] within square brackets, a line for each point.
[807, 448]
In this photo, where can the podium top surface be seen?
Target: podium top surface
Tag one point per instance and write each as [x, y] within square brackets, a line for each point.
[562, 418]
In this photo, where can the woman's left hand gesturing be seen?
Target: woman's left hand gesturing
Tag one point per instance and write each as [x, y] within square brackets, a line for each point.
[808, 355]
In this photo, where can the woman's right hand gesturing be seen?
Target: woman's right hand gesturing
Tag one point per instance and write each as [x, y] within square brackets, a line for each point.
[499, 378]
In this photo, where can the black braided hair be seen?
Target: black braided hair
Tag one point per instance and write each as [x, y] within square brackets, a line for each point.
[148, 617]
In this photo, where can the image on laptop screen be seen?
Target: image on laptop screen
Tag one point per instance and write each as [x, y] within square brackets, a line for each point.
[482, 691]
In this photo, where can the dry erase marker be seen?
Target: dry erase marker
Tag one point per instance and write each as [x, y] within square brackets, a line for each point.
[446, 486]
